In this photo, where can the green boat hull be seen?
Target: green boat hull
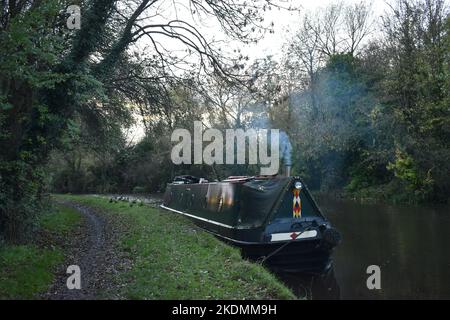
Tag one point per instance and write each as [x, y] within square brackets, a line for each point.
[270, 219]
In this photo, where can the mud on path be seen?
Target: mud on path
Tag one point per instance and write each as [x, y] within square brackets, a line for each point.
[92, 247]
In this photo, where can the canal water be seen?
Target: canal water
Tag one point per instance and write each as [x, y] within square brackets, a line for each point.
[410, 244]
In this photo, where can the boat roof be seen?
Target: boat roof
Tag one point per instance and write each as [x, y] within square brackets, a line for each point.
[246, 178]
[188, 179]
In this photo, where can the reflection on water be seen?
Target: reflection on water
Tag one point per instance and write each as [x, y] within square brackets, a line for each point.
[410, 244]
[315, 287]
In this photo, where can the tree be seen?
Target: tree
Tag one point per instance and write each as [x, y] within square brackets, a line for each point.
[417, 95]
[336, 29]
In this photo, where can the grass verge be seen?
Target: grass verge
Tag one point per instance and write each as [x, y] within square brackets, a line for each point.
[26, 271]
[173, 259]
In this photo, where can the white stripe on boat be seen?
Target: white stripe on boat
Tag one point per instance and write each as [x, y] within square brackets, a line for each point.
[289, 235]
[199, 218]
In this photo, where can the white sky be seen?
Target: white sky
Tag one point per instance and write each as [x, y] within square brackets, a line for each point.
[285, 20]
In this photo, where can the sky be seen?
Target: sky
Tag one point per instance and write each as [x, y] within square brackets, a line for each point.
[284, 22]
[288, 21]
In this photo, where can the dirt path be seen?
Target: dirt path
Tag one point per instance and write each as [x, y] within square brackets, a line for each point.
[92, 248]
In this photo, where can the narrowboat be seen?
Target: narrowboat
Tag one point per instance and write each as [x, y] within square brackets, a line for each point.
[273, 219]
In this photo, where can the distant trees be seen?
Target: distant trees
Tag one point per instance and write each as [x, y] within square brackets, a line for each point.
[374, 111]
[417, 95]
[336, 29]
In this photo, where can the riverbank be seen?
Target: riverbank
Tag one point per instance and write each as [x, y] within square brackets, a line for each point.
[152, 254]
[28, 270]
[386, 194]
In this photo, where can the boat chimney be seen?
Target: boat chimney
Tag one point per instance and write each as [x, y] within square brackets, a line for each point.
[287, 171]
[286, 153]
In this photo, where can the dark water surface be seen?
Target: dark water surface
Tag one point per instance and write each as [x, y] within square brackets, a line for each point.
[411, 244]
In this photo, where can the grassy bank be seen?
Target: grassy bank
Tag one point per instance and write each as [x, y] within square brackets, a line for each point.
[172, 259]
[26, 271]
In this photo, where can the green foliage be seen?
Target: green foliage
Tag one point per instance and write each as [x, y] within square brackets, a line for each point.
[30, 46]
[330, 141]
[61, 220]
[394, 96]
[44, 82]
[20, 199]
[26, 271]
[406, 170]
[417, 95]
